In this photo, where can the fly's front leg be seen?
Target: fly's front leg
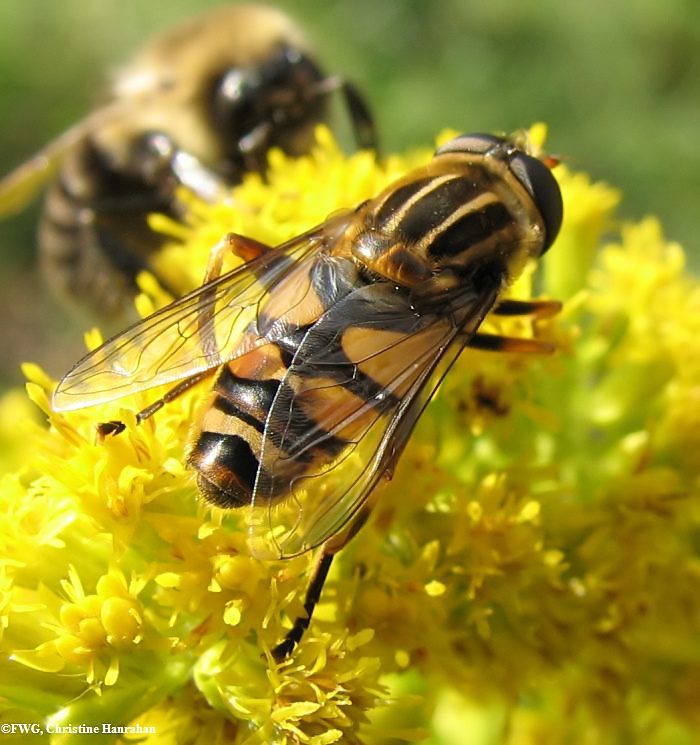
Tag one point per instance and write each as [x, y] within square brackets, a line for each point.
[242, 246]
[497, 343]
[537, 308]
[247, 249]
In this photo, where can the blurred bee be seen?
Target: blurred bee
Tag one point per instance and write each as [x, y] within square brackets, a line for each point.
[200, 105]
[327, 349]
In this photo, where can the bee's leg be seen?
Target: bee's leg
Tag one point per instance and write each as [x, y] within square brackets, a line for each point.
[538, 308]
[496, 343]
[317, 580]
[115, 427]
[362, 120]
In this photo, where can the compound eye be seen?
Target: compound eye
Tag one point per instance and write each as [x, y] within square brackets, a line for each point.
[239, 84]
[539, 181]
[235, 105]
[477, 143]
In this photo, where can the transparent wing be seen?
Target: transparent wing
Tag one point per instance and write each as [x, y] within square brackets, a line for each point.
[344, 410]
[20, 186]
[209, 326]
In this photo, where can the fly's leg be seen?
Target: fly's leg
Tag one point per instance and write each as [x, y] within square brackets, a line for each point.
[247, 249]
[115, 426]
[242, 246]
[497, 343]
[313, 593]
[490, 342]
[537, 308]
[316, 582]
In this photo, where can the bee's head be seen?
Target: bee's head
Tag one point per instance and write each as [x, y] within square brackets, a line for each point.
[272, 103]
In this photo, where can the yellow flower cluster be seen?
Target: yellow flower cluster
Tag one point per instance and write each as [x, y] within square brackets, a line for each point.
[531, 574]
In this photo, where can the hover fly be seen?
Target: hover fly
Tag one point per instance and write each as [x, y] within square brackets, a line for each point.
[326, 350]
[199, 106]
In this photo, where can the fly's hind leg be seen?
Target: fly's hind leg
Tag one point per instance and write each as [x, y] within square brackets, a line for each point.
[313, 593]
[316, 582]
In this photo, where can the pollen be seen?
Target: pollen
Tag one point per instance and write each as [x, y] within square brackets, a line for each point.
[531, 563]
[434, 589]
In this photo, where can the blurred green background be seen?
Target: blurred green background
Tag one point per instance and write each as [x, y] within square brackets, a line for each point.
[618, 82]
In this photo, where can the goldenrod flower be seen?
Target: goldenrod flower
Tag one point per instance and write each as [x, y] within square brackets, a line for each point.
[531, 574]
